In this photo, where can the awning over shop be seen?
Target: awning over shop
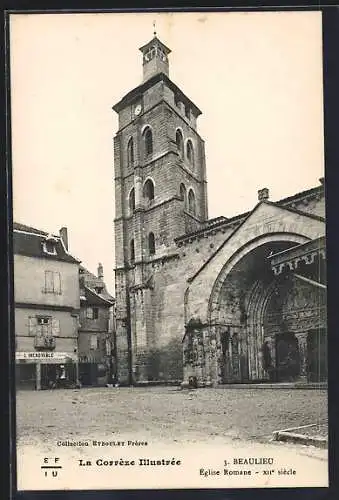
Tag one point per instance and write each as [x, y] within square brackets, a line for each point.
[46, 357]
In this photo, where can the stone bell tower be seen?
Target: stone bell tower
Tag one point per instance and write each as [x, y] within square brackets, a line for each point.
[160, 194]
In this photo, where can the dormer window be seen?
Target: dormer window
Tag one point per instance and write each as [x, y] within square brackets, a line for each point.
[49, 245]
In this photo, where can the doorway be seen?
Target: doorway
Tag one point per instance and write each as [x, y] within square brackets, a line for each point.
[287, 357]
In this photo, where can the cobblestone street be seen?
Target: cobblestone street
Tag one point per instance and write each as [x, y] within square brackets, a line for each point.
[165, 413]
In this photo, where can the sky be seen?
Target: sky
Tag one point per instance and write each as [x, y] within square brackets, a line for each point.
[257, 77]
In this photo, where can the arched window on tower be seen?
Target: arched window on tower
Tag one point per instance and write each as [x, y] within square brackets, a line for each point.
[131, 201]
[130, 152]
[151, 244]
[180, 143]
[190, 153]
[132, 251]
[148, 191]
[191, 202]
[148, 141]
[183, 194]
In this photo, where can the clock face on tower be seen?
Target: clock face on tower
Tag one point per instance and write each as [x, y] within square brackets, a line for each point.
[137, 109]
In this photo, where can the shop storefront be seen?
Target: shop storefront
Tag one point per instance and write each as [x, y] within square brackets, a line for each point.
[40, 370]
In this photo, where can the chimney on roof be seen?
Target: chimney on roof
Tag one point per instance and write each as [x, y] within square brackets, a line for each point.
[64, 236]
[322, 180]
[100, 271]
[263, 194]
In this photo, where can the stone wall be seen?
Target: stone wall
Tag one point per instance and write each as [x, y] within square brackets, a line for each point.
[266, 223]
[29, 282]
[236, 354]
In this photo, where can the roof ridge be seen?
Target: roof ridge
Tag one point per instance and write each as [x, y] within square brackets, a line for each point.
[263, 202]
[238, 217]
[98, 295]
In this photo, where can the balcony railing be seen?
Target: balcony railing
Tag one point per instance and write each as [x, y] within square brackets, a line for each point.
[44, 343]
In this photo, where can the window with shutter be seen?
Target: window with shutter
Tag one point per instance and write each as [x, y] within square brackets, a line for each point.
[43, 328]
[94, 342]
[49, 282]
[32, 325]
[55, 327]
[57, 283]
[52, 282]
[108, 348]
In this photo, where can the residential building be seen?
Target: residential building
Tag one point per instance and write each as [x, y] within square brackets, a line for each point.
[47, 306]
[96, 332]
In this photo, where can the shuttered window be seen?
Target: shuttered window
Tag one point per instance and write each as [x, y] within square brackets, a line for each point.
[32, 324]
[52, 282]
[43, 326]
[94, 342]
[49, 282]
[57, 283]
[92, 313]
[55, 327]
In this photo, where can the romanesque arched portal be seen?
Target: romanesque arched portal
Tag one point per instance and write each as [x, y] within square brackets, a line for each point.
[237, 312]
[258, 322]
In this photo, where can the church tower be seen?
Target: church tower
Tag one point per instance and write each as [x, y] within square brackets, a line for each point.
[160, 194]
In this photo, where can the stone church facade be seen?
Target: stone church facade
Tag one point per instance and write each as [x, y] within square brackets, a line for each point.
[199, 300]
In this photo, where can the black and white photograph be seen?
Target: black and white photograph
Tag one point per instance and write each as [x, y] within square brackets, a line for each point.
[170, 294]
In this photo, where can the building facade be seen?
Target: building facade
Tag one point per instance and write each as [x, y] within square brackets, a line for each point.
[197, 298]
[47, 306]
[96, 331]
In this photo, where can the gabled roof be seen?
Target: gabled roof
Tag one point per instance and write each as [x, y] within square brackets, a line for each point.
[91, 282]
[94, 299]
[29, 241]
[286, 203]
[300, 195]
[243, 222]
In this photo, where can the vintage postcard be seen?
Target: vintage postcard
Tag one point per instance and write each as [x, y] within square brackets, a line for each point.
[169, 250]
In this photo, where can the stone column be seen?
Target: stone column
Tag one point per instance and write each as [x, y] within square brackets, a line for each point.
[140, 354]
[272, 348]
[77, 372]
[38, 375]
[205, 358]
[138, 190]
[302, 342]
[229, 368]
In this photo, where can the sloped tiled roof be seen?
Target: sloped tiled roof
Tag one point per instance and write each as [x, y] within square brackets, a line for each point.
[140, 89]
[92, 282]
[95, 299]
[22, 227]
[29, 241]
[287, 203]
